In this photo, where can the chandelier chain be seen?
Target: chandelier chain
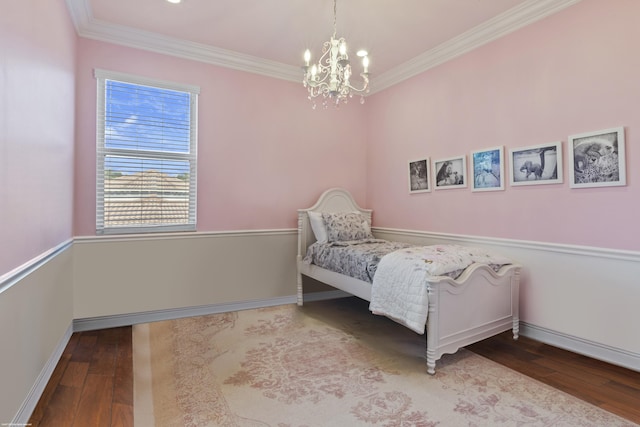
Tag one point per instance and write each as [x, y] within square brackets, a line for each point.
[335, 17]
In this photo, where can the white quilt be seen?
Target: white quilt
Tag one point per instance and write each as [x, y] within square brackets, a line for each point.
[400, 285]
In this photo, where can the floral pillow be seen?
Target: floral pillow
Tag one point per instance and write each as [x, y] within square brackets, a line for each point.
[343, 226]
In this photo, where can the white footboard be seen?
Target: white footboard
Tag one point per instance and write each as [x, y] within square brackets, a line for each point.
[479, 304]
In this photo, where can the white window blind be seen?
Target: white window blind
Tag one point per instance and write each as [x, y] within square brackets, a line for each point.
[146, 155]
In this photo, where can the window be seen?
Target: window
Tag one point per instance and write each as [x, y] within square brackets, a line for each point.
[146, 155]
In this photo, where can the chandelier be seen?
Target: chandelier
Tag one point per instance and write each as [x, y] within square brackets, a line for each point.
[331, 76]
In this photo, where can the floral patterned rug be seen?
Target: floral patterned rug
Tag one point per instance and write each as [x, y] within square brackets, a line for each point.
[329, 363]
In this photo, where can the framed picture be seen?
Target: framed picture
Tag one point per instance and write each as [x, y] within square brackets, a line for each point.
[536, 164]
[450, 173]
[487, 167]
[419, 176]
[597, 159]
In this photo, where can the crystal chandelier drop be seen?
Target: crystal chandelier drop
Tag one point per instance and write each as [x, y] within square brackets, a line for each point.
[331, 76]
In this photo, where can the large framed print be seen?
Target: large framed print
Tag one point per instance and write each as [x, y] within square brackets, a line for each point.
[536, 164]
[450, 173]
[597, 159]
[419, 176]
[487, 167]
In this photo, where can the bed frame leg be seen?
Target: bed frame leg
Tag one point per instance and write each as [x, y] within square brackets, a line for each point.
[515, 295]
[431, 330]
[300, 293]
[431, 364]
[299, 280]
[431, 359]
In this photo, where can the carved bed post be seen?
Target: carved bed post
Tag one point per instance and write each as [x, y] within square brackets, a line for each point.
[299, 280]
[301, 246]
[515, 302]
[432, 330]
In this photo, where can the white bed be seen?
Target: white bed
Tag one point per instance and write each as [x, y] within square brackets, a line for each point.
[478, 304]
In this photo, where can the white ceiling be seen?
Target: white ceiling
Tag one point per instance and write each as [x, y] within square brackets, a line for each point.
[403, 37]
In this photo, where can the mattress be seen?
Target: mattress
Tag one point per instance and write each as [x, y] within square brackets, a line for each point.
[360, 258]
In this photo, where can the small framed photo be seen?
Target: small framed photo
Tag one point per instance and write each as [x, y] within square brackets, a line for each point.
[419, 176]
[536, 164]
[487, 167]
[597, 159]
[450, 173]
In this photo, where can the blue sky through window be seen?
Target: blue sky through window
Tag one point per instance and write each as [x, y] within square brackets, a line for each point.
[149, 120]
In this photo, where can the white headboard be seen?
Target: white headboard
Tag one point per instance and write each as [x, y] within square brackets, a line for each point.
[332, 200]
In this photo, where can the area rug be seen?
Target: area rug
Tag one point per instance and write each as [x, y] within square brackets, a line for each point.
[329, 363]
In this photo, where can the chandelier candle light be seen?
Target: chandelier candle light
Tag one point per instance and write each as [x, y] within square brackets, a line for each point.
[330, 77]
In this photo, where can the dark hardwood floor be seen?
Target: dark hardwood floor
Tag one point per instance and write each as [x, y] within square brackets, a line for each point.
[92, 385]
[93, 382]
[607, 386]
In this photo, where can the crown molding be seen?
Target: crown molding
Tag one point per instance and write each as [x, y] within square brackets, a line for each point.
[80, 12]
[499, 26]
[526, 13]
[89, 27]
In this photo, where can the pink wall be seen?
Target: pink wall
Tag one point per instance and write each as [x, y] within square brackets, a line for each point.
[37, 78]
[263, 152]
[576, 71]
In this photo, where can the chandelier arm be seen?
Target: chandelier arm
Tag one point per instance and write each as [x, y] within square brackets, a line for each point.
[364, 87]
[318, 81]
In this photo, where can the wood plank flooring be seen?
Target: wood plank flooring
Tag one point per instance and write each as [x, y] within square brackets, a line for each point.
[607, 386]
[92, 384]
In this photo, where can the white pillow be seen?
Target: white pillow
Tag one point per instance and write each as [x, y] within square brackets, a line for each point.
[317, 225]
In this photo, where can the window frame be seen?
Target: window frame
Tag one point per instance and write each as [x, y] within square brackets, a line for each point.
[102, 76]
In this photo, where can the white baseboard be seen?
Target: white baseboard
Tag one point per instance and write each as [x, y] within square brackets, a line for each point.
[30, 402]
[325, 295]
[587, 348]
[118, 320]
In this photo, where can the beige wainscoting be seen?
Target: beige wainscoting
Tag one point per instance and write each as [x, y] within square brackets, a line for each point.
[140, 274]
[36, 310]
[580, 298]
